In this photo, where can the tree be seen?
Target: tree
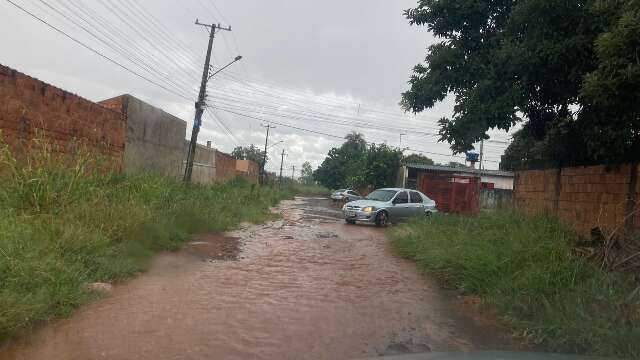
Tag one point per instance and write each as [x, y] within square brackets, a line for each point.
[358, 164]
[537, 62]
[251, 152]
[306, 174]
[417, 159]
[342, 163]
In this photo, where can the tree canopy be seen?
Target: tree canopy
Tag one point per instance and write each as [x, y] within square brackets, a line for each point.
[417, 159]
[358, 164]
[306, 173]
[568, 71]
[251, 152]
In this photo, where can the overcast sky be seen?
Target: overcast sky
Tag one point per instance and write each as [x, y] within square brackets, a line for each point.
[320, 69]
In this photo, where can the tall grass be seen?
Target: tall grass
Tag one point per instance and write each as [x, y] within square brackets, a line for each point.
[525, 269]
[65, 222]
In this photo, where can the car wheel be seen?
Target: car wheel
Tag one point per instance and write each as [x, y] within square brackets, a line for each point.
[382, 219]
[350, 222]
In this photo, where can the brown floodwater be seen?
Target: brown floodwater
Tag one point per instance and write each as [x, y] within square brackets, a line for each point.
[307, 286]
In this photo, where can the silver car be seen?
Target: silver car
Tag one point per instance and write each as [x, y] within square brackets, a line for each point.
[391, 204]
[345, 195]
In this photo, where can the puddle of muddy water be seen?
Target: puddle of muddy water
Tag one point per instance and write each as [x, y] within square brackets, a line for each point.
[297, 288]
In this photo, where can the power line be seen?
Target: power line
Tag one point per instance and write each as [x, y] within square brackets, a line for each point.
[113, 45]
[95, 51]
[326, 134]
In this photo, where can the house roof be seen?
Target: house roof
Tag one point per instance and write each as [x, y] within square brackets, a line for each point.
[443, 168]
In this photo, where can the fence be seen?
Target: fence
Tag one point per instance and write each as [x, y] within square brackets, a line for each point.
[28, 105]
[583, 197]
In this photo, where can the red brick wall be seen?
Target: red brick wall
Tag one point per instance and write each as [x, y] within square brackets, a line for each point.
[225, 166]
[588, 197]
[28, 105]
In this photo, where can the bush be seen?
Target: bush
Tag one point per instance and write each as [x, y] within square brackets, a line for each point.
[64, 223]
[525, 269]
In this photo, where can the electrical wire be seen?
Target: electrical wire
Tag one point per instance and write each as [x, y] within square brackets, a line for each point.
[94, 50]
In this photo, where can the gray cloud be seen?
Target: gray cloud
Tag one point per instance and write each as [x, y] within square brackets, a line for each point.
[331, 66]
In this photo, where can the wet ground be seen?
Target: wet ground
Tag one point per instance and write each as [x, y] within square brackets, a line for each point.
[307, 286]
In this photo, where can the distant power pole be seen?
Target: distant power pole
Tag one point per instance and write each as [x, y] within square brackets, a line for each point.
[481, 152]
[200, 104]
[293, 172]
[401, 135]
[264, 156]
[281, 163]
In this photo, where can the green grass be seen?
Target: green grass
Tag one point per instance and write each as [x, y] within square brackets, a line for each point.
[65, 223]
[524, 268]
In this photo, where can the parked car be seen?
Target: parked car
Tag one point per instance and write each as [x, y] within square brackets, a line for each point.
[391, 204]
[345, 195]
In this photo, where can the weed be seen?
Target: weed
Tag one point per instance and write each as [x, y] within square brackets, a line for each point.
[66, 222]
[524, 267]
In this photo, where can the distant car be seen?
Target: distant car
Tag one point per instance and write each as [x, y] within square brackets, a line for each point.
[345, 195]
[391, 204]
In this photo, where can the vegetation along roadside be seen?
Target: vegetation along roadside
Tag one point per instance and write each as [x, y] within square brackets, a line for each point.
[524, 268]
[65, 224]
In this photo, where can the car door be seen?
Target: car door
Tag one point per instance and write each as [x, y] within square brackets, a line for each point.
[354, 195]
[400, 209]
[416, 205]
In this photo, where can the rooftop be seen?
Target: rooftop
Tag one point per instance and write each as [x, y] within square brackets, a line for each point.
[461, 170]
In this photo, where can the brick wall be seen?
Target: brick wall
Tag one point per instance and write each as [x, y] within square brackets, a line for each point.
[248, 169]
[583, 197]
[225, 166]
[28, 105]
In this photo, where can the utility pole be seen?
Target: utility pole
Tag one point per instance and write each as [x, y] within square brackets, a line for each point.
[264, 155]
[200, 104]
[401, 135]
[481, 152]
[293, 172]
[281, 163]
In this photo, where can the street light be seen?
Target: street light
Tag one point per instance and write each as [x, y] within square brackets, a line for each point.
[274, 144]
[238, 58]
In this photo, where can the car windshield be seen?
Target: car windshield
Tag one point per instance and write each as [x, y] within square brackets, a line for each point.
[381, 195]
[339, 191]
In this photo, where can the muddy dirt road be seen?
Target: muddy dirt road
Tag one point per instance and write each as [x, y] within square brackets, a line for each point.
[304, 287]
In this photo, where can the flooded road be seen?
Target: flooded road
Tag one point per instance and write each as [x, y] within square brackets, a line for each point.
[307, 286]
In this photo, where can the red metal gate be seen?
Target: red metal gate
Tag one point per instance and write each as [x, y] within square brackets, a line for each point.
[452, 193]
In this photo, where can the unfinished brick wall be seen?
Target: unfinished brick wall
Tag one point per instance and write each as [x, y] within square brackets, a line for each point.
[28, 105]
[583, 197]
[248, 169]
[225, 166]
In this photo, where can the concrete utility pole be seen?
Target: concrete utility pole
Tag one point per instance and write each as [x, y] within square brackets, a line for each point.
[200, 104]
[293, 172]
[281, 163]
[264, 157]
[481, 153]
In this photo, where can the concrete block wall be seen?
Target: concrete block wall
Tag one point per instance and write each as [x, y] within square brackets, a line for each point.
[154, 138]
[583, 197]
[28, 105]
[204, 163]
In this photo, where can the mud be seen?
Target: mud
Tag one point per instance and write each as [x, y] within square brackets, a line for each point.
[307, 286]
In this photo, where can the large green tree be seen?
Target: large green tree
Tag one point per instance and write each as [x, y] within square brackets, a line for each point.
[306, 174]
[417, 159]
[544, 64]
[358, 164]
[251, 152]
